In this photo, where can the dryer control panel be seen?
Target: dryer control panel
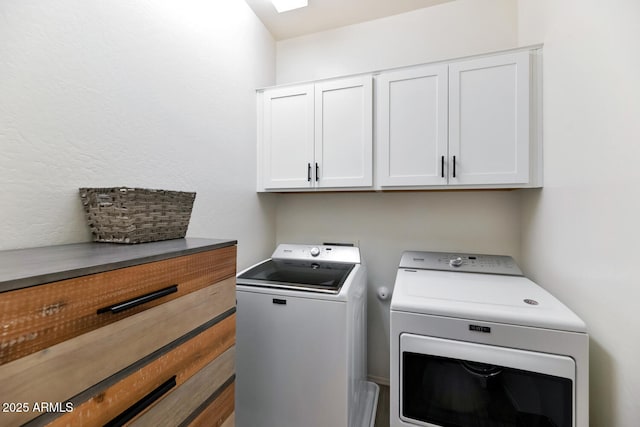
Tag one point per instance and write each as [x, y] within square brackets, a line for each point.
[467, 263]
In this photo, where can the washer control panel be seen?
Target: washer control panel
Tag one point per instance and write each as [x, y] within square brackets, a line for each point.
[468, 263]
[327, 253]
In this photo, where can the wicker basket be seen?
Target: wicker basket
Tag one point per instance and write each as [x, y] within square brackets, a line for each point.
[136, 215]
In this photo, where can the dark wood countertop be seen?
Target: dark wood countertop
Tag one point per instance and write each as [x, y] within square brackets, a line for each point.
[21, 268]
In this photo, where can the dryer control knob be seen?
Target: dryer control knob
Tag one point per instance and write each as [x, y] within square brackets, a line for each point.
[455, 262]
[315, 251]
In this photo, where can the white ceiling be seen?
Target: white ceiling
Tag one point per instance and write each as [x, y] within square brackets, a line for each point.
[322, 15]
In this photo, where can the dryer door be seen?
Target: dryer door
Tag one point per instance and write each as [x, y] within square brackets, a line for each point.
[455, 383]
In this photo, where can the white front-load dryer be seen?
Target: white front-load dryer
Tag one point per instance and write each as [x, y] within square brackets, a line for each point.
[474, 342]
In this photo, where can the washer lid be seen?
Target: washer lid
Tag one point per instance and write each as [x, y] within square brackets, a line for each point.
[327, 277]
[513, 300]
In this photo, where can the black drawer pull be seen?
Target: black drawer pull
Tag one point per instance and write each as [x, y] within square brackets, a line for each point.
[454, 166]
[122, 306]
[442, 167]
[309, 172]
[142, 404]
[280, 301]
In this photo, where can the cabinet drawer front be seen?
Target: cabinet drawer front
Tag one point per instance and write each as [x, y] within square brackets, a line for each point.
[213, 383]
[38, 317]
[219, 413]
[66, 369]
[181, 364]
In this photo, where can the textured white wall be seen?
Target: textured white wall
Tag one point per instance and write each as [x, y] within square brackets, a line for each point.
[460, 28]
[580, 233]
[385, 224]
[156, 94]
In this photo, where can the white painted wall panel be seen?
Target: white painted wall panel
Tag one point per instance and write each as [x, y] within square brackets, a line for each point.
[449, 30]
[154, 94]
[580, 232]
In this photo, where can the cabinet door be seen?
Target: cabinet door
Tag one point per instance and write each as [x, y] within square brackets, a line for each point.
[343, 149]
[489, 120]
[288, 137]
[412, 126]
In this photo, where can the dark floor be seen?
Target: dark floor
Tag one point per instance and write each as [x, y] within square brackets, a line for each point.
[382, 414]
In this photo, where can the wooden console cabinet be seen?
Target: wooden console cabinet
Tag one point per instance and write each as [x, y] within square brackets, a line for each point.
[110, 335]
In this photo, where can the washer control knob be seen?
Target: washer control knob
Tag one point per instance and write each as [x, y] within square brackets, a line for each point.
[315, 251]
[455, 262]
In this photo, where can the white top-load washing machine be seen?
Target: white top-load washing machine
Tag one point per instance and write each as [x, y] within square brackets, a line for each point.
[474, 342]
[301, 340]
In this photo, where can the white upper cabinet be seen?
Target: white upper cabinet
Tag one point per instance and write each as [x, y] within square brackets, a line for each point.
[288, 136]
[465, 124]
[344, 128]
[411, 132]
[489, 120]
[317, 135]
[471, 123]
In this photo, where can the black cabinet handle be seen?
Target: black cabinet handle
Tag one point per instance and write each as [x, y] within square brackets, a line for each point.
[142, 404]
[454, 166]
[442, 167]
[309, 172]
[280, 301]
[125, 305]
[317, 172]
